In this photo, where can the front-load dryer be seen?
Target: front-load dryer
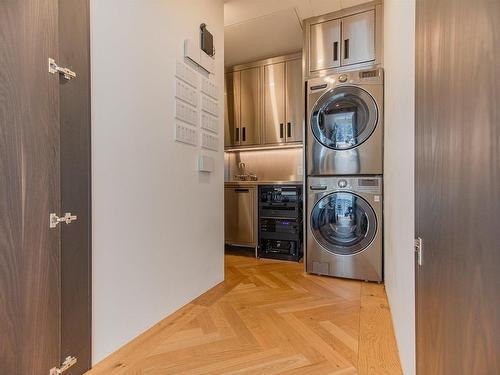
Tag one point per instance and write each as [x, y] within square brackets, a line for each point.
[345, 124]
[344, 228]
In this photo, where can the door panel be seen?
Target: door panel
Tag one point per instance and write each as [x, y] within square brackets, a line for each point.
[29, 188]
[274, 103]
[343, 223]
[344, 118]
[75, 185]
[358, 38]
[457, 186]
[324, 51]
[250, 119]
[239, 206]
[232, 109]
[294, 101]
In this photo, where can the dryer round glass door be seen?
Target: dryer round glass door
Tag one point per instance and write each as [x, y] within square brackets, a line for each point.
[343, 223]
[344, 117]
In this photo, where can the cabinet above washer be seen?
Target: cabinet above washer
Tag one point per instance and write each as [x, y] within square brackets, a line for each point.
[343, 40]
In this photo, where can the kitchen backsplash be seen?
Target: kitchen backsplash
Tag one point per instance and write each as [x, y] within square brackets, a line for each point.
[268, 165]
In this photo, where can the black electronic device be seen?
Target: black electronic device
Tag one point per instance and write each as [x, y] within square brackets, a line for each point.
[280, 222]
[207, 40]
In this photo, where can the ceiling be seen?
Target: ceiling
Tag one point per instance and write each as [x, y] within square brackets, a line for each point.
[257, 29]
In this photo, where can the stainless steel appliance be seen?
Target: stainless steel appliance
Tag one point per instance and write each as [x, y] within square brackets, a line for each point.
[344, 231]
[240, 215]
[280, 222]
[345, 124]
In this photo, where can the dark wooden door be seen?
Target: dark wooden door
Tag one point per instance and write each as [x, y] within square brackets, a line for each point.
[458, 186]
[44, 168]
[30, 308]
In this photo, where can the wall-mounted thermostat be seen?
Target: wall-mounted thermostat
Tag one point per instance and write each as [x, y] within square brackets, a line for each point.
[207, 40]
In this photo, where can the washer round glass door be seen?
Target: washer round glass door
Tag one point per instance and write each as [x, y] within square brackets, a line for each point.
[343, 223]
[344, 117]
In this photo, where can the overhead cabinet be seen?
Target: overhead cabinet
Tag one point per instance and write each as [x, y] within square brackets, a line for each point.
[250, 106]
[283, 107]
[232, 109]
[324, 47]
[264, 103]
[342, 42]
[242, 121]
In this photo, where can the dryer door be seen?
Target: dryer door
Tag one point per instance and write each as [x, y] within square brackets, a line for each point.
[344, 117]
[343, 223]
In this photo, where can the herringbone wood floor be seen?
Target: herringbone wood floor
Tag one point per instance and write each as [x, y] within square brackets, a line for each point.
[268, 317]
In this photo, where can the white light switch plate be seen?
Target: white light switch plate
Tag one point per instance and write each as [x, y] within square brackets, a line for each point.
[206, 163]
[185, 133]
[186, 113]
[209, 142]
[209, 88]
[187, 74]
[209, 105]
[209, 122]
[186, 92]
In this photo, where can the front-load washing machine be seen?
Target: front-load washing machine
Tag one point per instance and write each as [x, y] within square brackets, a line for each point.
[345, 124]
[344, 229]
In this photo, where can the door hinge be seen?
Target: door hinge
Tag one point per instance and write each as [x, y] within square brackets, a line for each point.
[56, 69]
[67, 218]
[68, 362]
[419, 250]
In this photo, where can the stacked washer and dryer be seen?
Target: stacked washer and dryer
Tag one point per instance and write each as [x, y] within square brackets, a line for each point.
[344, 129]
[344, 163]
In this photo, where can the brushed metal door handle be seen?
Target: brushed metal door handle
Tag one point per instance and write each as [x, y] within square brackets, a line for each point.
[317, 187]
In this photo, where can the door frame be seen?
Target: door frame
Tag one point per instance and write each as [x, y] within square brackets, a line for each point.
[75, 165]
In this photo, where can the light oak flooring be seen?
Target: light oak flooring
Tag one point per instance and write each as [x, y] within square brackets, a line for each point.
[268, 317]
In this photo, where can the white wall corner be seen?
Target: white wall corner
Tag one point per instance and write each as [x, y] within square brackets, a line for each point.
[399, 65]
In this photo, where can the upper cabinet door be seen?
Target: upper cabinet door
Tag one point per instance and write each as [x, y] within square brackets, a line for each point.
[358, 38]
[232, 109]
[324, 51]
[274, 103]
[294, 101]
[250, 106]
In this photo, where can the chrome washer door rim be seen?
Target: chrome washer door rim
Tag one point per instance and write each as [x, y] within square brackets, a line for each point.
[339, 97]
[340, 237]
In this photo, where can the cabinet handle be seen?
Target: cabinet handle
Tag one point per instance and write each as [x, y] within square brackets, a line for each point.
[281, 130]
[289, 129]
[237, 135]
[335, 51]
[346, 48]
[241, 190]
[244, 137]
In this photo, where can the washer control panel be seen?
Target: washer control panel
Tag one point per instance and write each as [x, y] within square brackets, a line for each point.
[368, 184]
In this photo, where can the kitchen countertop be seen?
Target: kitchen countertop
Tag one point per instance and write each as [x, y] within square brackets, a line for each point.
[259, 182]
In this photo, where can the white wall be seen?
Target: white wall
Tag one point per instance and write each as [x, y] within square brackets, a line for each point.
[399, 63]
[157, 222]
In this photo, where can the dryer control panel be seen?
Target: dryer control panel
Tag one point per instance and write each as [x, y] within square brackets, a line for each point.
[372, 185]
